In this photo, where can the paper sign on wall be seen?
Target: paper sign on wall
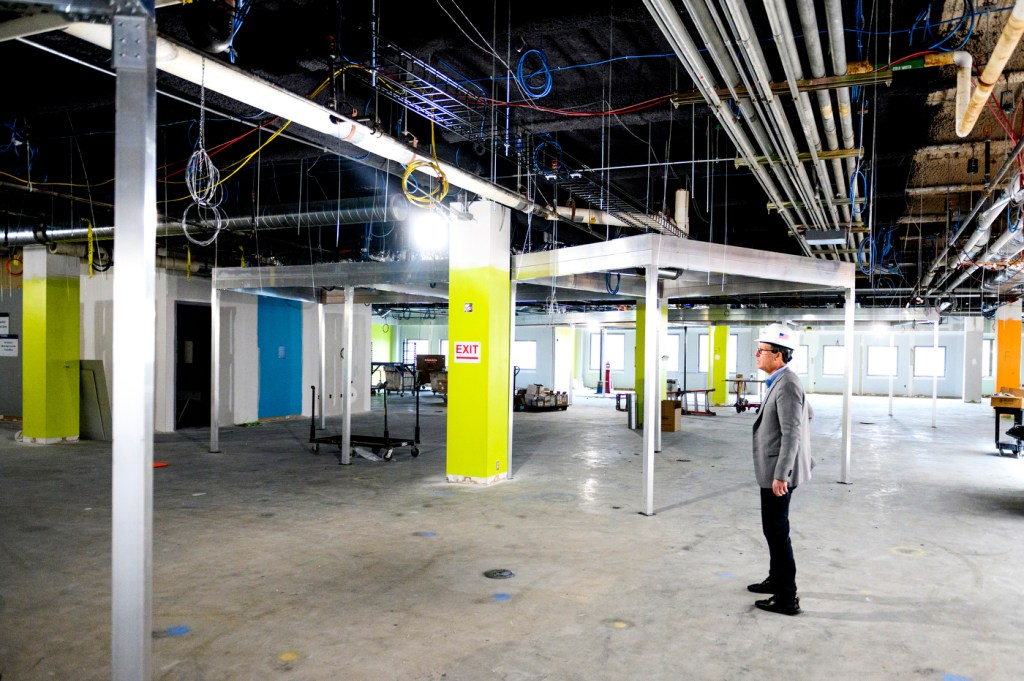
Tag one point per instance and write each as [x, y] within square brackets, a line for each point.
[8, 346]
[5, 323]
[467, 352]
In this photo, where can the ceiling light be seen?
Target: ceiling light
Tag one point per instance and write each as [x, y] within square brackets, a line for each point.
[825, 237]
[429, 231]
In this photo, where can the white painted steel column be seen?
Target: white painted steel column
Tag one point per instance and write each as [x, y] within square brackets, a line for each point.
[935, 373]
[892, 369]
[346, 378]
[511, 370]
[652, 420]
[134, 346]
[572, 374]
[214, 368]
[848, 317]
[659, 374]
[321, 328]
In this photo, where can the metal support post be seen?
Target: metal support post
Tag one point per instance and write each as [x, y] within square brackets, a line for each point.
[848, 317]
[346, 378]
[652, 420]
[134, 345]
[215, 295]
[321, 327]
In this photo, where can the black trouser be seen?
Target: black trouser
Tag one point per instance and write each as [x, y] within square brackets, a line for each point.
[775, 524]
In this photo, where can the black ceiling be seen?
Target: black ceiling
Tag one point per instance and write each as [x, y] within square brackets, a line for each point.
[601, 113]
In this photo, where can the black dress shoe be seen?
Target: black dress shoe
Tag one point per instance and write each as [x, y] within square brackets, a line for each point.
[782, 607]
[765, 587]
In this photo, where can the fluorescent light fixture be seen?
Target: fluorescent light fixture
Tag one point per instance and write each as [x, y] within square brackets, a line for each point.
[429, 230]
[825, 237]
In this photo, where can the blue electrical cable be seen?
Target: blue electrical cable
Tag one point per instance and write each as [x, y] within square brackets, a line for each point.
[526, 81]
[608, 282]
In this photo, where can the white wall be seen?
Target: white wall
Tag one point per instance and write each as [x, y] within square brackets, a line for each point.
[334, 323]
[544, 337]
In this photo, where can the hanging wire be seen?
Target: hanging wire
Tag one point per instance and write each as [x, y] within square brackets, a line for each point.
[203, 179]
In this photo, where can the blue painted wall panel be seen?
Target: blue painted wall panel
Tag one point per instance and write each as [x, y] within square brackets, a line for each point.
[279, 336]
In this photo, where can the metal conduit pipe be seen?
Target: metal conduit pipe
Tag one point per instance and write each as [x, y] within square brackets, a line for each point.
[837, 45]
[778, 17]
[980, 235]
[1004, 49]
[671, 26]
[816, 62]
[1007, 246]
[731, 58]
[724, 59]
[739, 19]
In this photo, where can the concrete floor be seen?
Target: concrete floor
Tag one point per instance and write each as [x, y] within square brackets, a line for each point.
[270, 562]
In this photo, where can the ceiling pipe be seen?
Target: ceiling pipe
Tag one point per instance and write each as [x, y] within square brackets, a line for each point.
[940, 259]
[837, 48]
[1006, 247]
[782, 29]
[739, 19]
[1004, 49]
[214, 75]
[671, 26]
[816, 62]
[724, 58]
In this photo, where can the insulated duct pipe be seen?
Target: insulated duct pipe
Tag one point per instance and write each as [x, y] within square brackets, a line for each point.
[349, 212]
[1004, 49]
[214, 75]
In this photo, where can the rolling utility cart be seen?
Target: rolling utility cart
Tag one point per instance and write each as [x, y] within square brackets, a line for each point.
[383, 445]
[742, 403]
[1008, 405]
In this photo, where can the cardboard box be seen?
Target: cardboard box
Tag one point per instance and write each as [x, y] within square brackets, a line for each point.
[1012, 398]
[671, 416]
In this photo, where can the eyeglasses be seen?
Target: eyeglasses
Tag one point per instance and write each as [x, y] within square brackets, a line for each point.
[761, 350]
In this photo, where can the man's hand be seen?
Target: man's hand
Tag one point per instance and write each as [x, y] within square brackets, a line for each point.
[780, 487]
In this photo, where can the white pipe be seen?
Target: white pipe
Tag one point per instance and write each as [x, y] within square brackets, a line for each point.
[1004, 49]
[214, 75]
[683, 211]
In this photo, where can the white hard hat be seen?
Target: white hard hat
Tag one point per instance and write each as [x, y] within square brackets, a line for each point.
[779, 334]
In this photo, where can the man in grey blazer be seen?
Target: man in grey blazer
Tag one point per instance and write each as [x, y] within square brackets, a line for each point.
[782, 461]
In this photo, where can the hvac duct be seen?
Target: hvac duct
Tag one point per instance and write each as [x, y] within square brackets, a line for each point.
[349, 212]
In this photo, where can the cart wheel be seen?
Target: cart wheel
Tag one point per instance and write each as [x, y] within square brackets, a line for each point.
[315, 449]
[388, 453]
[415, 452]
[739, 408]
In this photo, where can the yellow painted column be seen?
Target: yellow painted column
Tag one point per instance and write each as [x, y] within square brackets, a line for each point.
[50, 350]
[638, 359]
[719, 339]
[1008, 342]
[479, 311]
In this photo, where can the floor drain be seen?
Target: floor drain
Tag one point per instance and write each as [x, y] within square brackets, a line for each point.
[500, 573]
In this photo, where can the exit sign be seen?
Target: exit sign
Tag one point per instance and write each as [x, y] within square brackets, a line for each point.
[467, 352]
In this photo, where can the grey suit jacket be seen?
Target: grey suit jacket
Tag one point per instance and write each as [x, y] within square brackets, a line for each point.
[782, 434]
